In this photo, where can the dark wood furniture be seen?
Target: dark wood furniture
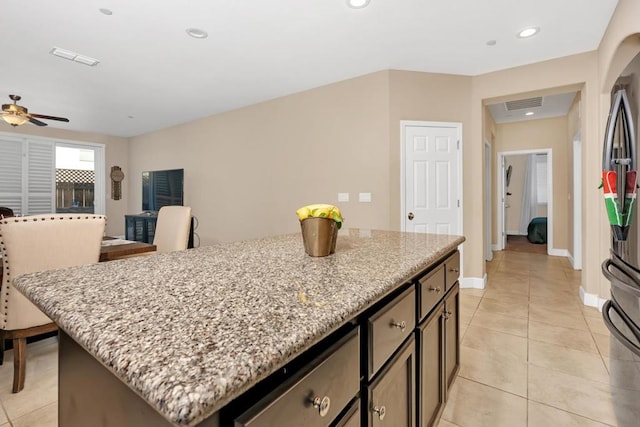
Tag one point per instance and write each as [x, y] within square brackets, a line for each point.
[142, 228]
[113, 252]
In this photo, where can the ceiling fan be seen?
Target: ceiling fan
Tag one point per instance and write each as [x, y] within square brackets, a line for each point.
[17, 115]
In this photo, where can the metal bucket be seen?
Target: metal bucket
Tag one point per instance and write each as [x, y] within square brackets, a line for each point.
[319, 236]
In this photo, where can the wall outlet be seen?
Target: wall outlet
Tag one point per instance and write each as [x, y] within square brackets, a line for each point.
[364, 197]
[343, 197]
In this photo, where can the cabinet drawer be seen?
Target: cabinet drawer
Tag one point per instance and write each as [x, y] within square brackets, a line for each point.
[388, 328]
[332, 380]
[432, 288]
[351, 418]
[452, 267]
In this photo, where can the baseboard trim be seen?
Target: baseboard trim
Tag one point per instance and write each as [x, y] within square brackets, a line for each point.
[559, 252]
[571, 260]
[495, 248]
[516, 233]
[473, 282]
[591, 300]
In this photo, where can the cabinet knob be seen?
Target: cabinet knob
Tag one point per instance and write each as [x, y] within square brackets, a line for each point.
[455, 270]
[446, 315]
[381, 411]
[322, 405]
[402, 325]
[432, 289]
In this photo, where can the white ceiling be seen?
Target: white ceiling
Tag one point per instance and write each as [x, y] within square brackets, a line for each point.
[552, 106]
[258, 50]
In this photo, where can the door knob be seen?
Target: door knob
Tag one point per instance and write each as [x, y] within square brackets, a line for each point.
[410, 216]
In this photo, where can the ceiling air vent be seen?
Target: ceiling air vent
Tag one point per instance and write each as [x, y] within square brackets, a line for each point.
[523, 104]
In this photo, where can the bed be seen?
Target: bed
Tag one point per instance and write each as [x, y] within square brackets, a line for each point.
[537, 230]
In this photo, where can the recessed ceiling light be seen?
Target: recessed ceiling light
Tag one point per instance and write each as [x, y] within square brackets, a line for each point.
[197, 33]
[491, 43]
[357, 4]
[529, 113]
[105, 11]
[528, 32]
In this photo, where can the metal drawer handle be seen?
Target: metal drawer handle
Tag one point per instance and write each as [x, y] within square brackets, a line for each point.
[432, 289]
[381, 411]
[455, 270]
[402, 325]
[322, 405]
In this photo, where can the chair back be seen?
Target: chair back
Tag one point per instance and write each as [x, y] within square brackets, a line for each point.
[172, 228]
[38, 243]
[5, 212]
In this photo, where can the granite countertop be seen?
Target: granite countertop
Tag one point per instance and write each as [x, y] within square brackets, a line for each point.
[189, 331]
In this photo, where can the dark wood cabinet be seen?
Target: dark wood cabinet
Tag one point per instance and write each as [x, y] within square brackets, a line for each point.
[452, 336]
[431, 393]
[391, 397]
[142, 228]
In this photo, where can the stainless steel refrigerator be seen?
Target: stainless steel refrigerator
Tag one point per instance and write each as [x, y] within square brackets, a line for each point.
[621, 312]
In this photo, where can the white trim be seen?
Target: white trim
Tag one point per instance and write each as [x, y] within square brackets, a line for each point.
[571, 260]
[591, 300]
[515, 233]
[558, 252]
[495, 248]
[473, 282]
[500, 157]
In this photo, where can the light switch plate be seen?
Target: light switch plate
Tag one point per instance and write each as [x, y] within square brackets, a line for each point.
[364, 197]
[343, 197]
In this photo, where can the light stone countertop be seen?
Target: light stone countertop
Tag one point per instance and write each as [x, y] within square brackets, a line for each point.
[189, 331]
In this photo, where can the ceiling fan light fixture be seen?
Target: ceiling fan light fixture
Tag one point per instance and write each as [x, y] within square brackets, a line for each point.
[15, 120]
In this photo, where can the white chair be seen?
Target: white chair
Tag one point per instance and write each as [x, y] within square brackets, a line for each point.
[38, 243]
[172, 228]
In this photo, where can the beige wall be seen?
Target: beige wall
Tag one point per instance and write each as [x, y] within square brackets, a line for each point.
[115, 155]
[573, 127]
[427, 97]
[247, 171]
[544, 134]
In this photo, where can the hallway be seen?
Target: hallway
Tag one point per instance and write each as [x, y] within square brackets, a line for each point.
[532, 354]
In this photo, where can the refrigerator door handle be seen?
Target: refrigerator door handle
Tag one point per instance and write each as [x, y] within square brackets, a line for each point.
[609, 275]
[614, 329]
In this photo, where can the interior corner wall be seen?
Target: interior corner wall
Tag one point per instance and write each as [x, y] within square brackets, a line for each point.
[543, 134]
[574, 127]
[115, 155]
[247, 171]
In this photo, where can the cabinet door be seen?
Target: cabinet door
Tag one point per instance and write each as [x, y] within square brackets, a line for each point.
[392, 395]
[352, 417]
[431, 370]
[452, 336]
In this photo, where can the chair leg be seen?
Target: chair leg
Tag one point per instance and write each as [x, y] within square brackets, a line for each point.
[19, 363]
[1, 346]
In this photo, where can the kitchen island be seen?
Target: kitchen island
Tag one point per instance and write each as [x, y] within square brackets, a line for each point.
[187, 333]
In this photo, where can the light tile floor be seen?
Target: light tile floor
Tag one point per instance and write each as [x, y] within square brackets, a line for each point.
[532, 355]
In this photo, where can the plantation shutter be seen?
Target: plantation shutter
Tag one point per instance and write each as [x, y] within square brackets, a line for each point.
[40, 177]
[11, 174]
[27, 175]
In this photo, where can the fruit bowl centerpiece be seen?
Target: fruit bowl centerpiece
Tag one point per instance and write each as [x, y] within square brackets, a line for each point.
[320, 224]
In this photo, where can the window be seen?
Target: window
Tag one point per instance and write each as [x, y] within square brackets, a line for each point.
[541, 179]
[33, 181]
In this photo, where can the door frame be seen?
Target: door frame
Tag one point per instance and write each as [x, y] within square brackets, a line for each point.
[501, 190]
[576, 256]
[488, 251]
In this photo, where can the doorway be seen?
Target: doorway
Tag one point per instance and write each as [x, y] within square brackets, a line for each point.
[545, 193]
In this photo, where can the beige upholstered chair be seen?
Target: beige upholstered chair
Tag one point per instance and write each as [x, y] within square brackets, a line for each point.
[172, 228]
[38, 243]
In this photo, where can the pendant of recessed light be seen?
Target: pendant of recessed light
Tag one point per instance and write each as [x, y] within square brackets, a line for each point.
[358, 4]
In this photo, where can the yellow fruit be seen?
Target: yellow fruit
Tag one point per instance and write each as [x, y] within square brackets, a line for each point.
[303, 213]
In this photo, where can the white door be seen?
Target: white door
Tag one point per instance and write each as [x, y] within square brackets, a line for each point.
[432, 190]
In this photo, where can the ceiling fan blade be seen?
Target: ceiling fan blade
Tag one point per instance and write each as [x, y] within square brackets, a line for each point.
[42, 116]
[37, 122]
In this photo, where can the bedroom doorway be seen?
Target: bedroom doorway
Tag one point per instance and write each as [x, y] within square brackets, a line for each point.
[518, 208]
